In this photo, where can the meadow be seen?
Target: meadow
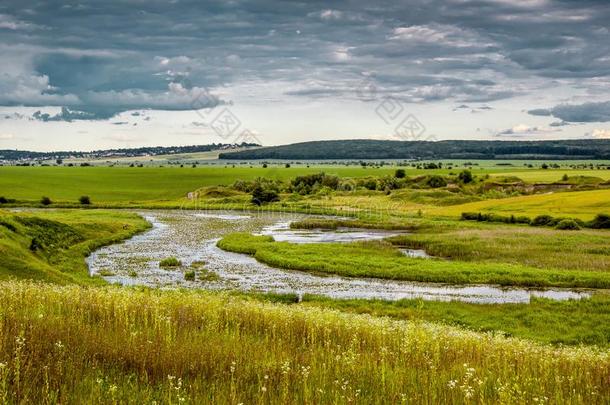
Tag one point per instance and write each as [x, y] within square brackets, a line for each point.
[109, 345]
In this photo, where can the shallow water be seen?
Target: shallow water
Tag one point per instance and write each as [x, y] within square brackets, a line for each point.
[191, 237]
[281, 232]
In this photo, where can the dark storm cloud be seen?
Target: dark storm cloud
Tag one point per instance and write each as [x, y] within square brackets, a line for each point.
[97, 59]
[587, 112]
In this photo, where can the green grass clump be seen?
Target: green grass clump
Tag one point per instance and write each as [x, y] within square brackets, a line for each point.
[109, 345]
[382, 260]
[208, 275]
[190, 275]
[170, 262]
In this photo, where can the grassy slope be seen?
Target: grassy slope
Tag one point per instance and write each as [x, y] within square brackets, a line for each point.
[383, 261]
[110, 345]
[62, 239]
[579, 204]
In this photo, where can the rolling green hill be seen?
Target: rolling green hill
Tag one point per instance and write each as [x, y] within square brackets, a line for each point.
[374, 149]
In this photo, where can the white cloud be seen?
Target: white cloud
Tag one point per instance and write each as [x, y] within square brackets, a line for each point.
[11, 23]
[31, 89]
[331, 14]
[523, 129]
[438, 34]
[601, 133]
[124, 138]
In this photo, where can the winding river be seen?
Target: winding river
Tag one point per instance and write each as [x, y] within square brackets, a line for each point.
[191, 236]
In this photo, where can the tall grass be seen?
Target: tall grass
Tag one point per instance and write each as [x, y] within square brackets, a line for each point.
[538, 247]
[106, 345]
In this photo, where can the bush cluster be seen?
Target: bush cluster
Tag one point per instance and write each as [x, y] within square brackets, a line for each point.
[601, 221]
[481, 217]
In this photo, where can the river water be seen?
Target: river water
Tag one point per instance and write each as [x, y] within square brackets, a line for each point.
[191, 237]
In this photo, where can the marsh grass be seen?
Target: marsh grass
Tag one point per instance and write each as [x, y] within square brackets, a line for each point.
[382, 260]
[170, 262]
[108, 345]
[528, 246]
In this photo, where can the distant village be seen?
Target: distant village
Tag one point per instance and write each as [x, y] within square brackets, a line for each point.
[26, 158]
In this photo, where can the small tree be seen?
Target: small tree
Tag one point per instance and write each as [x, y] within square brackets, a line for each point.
[565, 177]
[436, 182]
[84, 200]
[465, 176]
[400, 174]
[46, 201]
[264, 191]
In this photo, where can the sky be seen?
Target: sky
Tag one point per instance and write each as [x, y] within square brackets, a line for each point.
[89, 75]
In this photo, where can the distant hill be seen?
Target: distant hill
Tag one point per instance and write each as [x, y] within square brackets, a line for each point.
[374, 149]
[21, 155]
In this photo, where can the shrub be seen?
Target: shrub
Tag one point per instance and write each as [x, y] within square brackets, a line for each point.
[601, 221]
[189, 275]
[3, 200]
[46, 201]
[465, 176]
[542, 220]
[568, 225]
[85, 200]
[400, 174]
[436, 181]
[262, 195]
[470, 216]
[170, 262]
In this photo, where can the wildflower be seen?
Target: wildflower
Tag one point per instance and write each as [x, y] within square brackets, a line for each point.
[264, 389]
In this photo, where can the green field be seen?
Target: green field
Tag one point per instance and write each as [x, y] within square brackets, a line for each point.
[141, 184]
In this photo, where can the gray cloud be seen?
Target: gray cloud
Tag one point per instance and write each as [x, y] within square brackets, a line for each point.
[587, 112]
[91, 58]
